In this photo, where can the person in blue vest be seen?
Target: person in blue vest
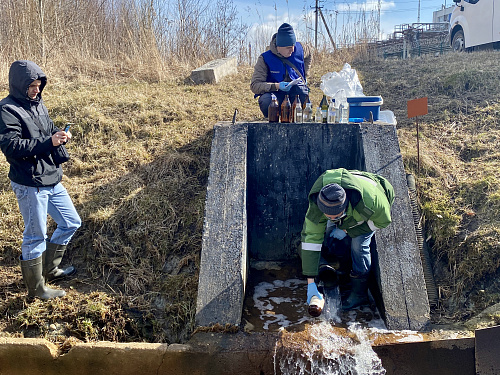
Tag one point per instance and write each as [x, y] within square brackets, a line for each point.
[284, 61]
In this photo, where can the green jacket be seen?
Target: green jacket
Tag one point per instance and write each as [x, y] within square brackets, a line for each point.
[372, 212]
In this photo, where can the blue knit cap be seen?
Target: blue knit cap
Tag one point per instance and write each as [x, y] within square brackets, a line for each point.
[285, 36]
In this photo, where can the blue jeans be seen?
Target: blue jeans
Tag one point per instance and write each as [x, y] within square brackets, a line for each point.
[360, 254]
[34, 204]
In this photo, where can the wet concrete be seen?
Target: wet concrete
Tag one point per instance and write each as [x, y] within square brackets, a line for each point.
[217, 354]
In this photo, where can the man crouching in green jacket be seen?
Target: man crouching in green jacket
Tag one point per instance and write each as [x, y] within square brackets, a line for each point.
[353, 203]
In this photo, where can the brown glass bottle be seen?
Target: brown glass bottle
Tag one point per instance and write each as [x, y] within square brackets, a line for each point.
[273, 111]
[286, 110]
[315, 307]
[306, 100]
[296, 102]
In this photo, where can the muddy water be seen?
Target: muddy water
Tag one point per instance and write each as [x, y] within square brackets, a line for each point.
[337, 342]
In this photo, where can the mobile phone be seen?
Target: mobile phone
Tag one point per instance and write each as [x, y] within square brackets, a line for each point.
[66, 129]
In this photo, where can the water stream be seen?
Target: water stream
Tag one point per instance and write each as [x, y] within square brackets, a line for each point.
[337, 342]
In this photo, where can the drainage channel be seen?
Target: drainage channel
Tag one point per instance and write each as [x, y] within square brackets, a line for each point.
[339, 342]
[260, 175]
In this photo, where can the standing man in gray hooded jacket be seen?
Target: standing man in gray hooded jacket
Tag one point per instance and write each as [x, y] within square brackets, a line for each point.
[27, 138]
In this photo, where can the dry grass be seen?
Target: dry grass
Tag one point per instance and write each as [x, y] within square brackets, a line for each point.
[140, 154]
[459, 173]
[138, 174]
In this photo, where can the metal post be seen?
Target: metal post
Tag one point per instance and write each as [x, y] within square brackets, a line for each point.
[418, 148]
[316, 27]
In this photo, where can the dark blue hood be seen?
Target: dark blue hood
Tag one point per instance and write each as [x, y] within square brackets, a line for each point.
[21, 74]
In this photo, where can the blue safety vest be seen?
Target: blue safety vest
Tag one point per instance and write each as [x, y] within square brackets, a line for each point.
[278, 72]
[278, 69]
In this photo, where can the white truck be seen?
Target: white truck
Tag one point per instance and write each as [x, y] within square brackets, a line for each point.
[475, 23]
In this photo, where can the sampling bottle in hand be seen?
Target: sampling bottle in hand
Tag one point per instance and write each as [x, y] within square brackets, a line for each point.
[274, 109]
[316, 306]
[286, 110]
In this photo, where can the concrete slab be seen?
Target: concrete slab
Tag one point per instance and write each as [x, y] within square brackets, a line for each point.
[399, 271]
[284, 161]
[441, 357]
[223, 268]
[213, 71]
[214, 353]
[488, 351]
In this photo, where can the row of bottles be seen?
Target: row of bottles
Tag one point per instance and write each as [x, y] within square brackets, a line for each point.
[327, 112]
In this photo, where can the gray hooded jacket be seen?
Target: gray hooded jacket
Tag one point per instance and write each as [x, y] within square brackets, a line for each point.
[26, 147]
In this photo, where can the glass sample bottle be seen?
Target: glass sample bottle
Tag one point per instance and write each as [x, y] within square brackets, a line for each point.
[332, 112]
[319, 115]
[286, 110]
[307, 114]
[315, 307]
[324, 109]
[273, 110]
[297, 110]
[307, 100]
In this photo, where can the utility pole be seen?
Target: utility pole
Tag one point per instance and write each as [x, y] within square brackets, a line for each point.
[418, 18]
[316, 26]
[378, 27]
[327, 29]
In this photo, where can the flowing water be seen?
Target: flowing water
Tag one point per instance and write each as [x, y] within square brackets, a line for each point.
[337, 342]
[326, 347]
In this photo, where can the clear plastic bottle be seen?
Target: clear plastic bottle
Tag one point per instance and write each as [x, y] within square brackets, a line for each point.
[344, 112]
[332, 112]
[319, 115]
[343, 107]
[307, 115]
[273, 109]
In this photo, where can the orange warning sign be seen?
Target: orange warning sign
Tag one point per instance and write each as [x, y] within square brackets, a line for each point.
[417, 107]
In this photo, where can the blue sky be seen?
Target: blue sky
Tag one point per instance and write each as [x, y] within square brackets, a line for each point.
[265, 16]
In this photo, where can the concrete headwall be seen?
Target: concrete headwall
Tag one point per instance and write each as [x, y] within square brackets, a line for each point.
[283, 163]
[280, 163]
[216, 354]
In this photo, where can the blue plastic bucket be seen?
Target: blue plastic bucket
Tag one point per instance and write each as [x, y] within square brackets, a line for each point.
[361, 106]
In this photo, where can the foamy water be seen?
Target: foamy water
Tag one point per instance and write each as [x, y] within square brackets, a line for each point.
[323, 351]
[322, 347]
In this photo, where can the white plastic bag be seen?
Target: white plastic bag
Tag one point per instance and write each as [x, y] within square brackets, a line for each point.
[347, 80]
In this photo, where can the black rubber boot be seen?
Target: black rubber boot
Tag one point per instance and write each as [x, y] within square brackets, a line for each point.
[328, 275]
[34, 281]
[359, 293]
[52, 257]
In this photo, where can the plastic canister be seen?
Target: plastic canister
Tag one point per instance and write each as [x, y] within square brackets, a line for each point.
[361, 106]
